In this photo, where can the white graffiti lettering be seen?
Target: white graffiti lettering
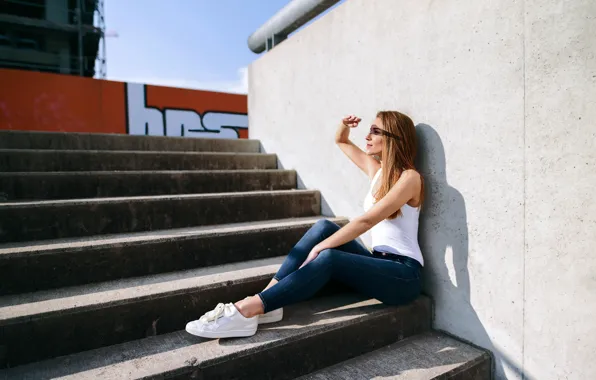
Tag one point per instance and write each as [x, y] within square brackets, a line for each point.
[143, 120]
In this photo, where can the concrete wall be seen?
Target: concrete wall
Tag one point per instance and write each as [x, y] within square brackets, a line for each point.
[503, 93]
[560, 222]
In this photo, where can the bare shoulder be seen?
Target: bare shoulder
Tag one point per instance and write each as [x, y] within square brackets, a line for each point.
[411, 176]
[412, 183]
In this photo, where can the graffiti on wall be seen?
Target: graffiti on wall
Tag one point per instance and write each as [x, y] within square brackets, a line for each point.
[150, 120]
[52, 102]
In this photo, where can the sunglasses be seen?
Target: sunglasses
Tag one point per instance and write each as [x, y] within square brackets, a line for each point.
[379, 132]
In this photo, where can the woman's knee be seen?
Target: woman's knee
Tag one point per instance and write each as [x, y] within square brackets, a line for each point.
[327, 256]
[326, 226]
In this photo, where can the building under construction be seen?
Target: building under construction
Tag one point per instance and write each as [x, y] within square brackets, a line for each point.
[57, 36]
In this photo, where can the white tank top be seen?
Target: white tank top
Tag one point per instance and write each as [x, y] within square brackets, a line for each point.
[399, 235]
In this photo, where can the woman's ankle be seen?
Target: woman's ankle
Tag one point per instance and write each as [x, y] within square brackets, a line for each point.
[250, 306]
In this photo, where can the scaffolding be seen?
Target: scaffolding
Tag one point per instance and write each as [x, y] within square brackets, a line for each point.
[61, 36]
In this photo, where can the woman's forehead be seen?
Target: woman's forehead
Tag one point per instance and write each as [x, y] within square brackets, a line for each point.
[377, 123]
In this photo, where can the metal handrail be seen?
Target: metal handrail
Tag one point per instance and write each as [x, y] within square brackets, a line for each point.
[288, 19]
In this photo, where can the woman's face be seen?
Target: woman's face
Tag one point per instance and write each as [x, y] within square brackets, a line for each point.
[374, 139]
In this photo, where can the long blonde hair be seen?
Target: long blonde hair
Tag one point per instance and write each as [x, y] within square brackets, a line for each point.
[398, 153]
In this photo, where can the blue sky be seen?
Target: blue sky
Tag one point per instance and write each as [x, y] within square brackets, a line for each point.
[184, 43]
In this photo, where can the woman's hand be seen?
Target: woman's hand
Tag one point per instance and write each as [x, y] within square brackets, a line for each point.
[351, 121]
[312, 255]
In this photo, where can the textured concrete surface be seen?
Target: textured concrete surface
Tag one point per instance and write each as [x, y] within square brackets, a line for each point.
[94, 141]
[27, 267]
[457, 68]
[47, 324]
[21, 160]
[560, 224]
[23, 221]
[312, 335]
[69, 185]
[422, 357]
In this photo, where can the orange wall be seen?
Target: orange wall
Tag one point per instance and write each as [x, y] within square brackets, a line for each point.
[52, 102]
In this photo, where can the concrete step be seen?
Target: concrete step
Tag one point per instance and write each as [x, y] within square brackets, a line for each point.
[70, 185]
[25, 221]
[431, 355]
[47, 324]
[97, 141]
[313, 335]
[21, 160]
[28, 267]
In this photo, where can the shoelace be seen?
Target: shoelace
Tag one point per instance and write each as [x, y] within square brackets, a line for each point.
[214, 314]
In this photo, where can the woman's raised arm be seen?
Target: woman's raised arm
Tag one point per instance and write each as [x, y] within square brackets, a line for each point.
[365, 162]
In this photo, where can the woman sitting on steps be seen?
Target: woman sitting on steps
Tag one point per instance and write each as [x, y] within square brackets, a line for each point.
[390, 273]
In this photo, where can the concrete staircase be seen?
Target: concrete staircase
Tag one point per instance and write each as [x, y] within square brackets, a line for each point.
[109, 244]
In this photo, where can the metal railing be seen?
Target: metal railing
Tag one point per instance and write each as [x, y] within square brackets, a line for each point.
[286, 21]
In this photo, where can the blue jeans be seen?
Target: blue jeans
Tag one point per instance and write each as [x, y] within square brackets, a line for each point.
[390, 282]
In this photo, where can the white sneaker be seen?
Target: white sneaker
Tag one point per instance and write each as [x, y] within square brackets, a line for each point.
[272, 316]
[225, 321]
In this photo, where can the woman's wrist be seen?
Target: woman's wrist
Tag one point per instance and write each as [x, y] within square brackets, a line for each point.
[320, 247]
[343, 133]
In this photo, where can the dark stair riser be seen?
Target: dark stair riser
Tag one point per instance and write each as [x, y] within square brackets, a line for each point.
[479, 369]
[55, 160]
[429, 355]
[61, 335]
[34, 186]
[326, 348]
[60, 220]
[90, 141]
[48, 337]
[69, 267]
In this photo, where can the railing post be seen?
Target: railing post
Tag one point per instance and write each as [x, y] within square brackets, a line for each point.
[274, 40]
